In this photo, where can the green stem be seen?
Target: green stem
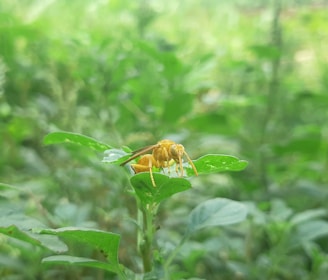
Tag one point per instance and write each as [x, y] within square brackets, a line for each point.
[272, 93]
[121, 274]
[173, 255]
[146, 237]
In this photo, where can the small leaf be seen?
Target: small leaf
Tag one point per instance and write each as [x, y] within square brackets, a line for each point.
[70, 260]
[215, 212]
[106, 242]
[165, 187]
[217, 163]
[75, 138]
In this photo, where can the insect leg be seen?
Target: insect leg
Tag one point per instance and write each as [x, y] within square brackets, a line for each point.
[191, 163]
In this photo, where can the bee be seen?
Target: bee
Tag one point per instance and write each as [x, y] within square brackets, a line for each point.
[164, 154]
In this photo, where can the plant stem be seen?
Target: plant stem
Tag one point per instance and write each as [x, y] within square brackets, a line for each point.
[146, 238]
[174, 253]
[272, 92]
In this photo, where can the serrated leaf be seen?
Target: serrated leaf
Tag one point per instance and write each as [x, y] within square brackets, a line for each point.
[165, 187]
[216, 212]
[75, 138]
[71, 260]
[106, 242]
[213, 163]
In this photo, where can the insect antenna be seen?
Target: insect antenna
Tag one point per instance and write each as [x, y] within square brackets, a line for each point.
[191, 163]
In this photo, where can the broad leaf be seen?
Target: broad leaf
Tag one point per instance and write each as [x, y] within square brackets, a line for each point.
[308, 215]
[106, 242]
[217, 163]
[9, 191]
[71, 260]
[216, 212]
[75, 138]
[14, 223]
[17, 225]
[311, 230]
[165, 187]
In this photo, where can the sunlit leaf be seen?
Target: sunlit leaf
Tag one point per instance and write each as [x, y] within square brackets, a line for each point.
[216, 212]
[213, 163]
[75, 138]
[165, 187]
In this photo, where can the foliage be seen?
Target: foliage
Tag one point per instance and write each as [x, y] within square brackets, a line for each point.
[241, 78]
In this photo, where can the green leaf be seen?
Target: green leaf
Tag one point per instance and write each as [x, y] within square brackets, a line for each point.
[308, 215]
[216, 212]
[71, 260]
[50, 242]
[210, 122]
[212, 163]
[165, 187]
[75, 138]
[115, 156]
[15, 224]
[105, 242]
[311, 230]
[9, 191]
[265, 51]
[177, 106]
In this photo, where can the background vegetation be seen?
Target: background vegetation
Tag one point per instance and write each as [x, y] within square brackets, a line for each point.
[246, 78]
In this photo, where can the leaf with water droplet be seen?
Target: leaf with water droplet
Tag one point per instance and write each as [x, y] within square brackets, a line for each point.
[76, 139]
[213, 163]
[115, 156]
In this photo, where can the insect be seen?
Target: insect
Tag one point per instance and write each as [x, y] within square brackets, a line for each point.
[164, 154]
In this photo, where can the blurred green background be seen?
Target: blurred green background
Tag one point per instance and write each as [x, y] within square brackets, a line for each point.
[240, 77]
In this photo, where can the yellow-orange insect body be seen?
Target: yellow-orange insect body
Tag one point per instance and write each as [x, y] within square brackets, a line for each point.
[164, 153]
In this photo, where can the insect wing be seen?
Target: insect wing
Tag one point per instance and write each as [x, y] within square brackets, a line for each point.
[139, 152]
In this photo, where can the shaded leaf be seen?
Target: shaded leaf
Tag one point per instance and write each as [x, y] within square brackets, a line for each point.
[308, 215]
[70, 260]
[210, 122]
[9, 191]
[266, 51]
[177, 106]
[75, 138]
[50, 242]
[165, 187]
[216, 212]
[105, 242]
[312, 230]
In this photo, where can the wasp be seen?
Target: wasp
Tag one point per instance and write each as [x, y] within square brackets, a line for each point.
[164, 154]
